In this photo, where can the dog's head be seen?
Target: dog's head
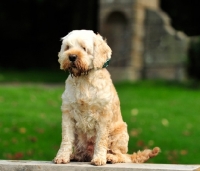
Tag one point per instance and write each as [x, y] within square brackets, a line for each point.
[83, 50]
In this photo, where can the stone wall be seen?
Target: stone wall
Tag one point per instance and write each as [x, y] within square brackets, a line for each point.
[165, 49]
[140, 35]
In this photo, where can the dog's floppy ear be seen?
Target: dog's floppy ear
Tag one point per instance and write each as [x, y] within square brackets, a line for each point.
[102, 52]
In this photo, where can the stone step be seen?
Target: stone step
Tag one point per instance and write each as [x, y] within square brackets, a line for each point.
[26, 165]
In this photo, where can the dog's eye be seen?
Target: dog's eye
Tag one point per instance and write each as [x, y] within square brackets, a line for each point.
[67, 47]
[84, 48]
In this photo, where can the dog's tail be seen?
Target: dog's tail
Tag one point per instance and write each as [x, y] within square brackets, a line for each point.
[142, 156]
[139, 157]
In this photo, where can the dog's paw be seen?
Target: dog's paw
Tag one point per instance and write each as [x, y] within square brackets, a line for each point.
[98, 161]
[61, 159]
[112, 158]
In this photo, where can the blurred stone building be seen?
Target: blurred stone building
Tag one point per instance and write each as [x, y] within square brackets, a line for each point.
[143, 42]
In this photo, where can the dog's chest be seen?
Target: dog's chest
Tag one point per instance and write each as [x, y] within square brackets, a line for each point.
[86, 102]
[85, 121]
[81, 92]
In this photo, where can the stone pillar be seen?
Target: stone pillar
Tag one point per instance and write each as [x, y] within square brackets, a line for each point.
[138, 28]
[115, 23]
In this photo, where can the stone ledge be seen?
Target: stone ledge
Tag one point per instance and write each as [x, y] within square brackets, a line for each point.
[25, 165]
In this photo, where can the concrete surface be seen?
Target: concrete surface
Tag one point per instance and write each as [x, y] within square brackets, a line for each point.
[25, 165]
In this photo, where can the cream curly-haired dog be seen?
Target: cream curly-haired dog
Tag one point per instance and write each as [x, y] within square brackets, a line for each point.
[92, 125]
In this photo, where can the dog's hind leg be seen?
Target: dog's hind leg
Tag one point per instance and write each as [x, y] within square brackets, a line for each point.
[118, 146]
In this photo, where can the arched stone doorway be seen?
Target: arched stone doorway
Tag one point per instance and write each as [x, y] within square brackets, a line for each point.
[116, 29]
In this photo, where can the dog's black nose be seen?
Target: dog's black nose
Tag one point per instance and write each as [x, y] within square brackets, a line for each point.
[72, 58]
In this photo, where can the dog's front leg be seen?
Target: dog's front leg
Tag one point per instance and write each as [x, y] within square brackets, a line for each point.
[63, 155]
[101, 143]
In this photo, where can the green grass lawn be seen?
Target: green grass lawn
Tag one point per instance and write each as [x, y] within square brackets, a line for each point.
[157, 113]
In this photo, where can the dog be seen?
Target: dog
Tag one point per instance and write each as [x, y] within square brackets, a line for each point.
[92, 126]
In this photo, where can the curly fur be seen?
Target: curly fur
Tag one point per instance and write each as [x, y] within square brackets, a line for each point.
[92, 125]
